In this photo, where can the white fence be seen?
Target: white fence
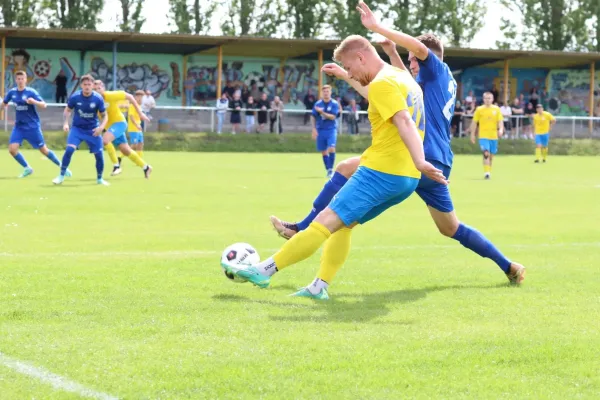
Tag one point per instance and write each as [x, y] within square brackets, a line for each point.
[205, 119]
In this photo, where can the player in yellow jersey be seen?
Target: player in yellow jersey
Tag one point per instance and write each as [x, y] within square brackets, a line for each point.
[117, 126]
[543, 121]
[490, 121]
[389, 169]
[134, 125]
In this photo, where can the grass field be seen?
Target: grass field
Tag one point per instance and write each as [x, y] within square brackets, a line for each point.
[119, 289]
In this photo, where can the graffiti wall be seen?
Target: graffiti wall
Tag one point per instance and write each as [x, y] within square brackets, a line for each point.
[42, 67]
[569, 91]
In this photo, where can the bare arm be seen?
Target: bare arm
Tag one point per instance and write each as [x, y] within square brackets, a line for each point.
[66, 118]
[38, 103]
[473, 129]
[389, 48]
[328, 116]
[135, 105]
[98, 131]
[333, 69]
[501, 127]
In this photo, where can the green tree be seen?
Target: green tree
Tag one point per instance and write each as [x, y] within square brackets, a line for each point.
[73, 14]
[306, 18]
[343, 19]
[19, 12]
[191, 18]
[133, 22]
[253, 17]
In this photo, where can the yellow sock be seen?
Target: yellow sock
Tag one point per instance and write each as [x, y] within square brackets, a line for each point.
[334, 254]
[112, 153]
[137, 160]
[303, 245]
[544, 153]
[140, 153]
[487, 168]
[538, 153]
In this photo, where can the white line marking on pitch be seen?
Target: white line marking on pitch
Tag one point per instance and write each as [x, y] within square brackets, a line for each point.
[211, 253]
[57, 381]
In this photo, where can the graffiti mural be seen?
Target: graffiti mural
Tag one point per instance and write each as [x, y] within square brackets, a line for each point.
[569, 92]
[42, 67]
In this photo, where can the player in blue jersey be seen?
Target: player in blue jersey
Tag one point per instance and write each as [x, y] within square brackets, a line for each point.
[439, 93]
[324, 120]
[87, 105]
[27, 123]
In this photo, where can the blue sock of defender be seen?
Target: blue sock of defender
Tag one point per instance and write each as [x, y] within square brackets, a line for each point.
[52, 157]
[473, 240]
[21, 160]
[329, 190]
[66, 160]
[99, 164]
[331, 160]
[326, 161]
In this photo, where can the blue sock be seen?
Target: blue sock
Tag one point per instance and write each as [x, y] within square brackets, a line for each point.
[473, 239]
[329, 190]
[21, 160]
[326, 160]
[52, 157]
[331, 160]
[66, 160]
[99, 164]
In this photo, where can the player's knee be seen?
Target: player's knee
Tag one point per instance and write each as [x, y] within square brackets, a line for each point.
[331, 150]
[348, 167]
[13, 149]
[448, 230]
[44, 150]
[486, 154]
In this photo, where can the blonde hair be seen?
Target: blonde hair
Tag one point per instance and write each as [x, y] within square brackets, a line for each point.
[326, 87]
[352, 43]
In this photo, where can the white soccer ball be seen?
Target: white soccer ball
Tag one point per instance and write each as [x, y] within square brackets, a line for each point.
[239, 253]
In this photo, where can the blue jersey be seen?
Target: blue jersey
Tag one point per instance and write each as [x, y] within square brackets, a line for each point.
[439, 95]
[323, 124]
[27, 117]
[86, 109]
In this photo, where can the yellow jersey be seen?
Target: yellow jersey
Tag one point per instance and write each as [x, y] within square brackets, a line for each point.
[133, 118]
[391, 91]
[111, 101]
[541, 123]
[488, 118]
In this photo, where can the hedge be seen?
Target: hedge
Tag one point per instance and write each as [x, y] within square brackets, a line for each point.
[302, 143]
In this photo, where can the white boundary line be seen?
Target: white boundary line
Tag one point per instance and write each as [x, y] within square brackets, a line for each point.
[56, 381]
[206, 253]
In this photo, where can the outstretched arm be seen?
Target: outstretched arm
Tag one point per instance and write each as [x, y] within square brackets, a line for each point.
[389, 48]
[333, 69]
[135, 105]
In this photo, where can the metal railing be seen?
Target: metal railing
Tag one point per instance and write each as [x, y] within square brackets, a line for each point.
[206, 119]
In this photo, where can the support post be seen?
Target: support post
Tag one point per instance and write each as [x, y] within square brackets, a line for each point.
[320, 73]
[2, 88]
[114, 66]
[219, 71]
[506, 76]
[592, 102]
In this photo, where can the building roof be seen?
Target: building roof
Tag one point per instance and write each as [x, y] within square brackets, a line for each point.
[84, 40]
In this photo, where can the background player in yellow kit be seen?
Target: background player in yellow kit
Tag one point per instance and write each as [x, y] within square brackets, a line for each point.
[490, 121]
[543, 121]
[134, 125]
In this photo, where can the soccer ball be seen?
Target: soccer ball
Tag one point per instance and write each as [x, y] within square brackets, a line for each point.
[239, 253]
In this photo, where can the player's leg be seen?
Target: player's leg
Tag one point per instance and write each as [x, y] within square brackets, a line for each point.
[73, 141]
[140, 144]
[107, 138]
[538, 148]
[544, 143]
[14, 144]
[343, 172]
[484, 145]
[331, 143]
[121, 142]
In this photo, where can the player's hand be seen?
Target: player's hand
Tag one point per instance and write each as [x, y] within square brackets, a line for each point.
[145, 118]
[368, 19]
[314, 134]
[388, 46]
[319, 109]
[66, 128]
[332, 69]
[98, 131]
[30, 101]
[473, 139]
[432, 172]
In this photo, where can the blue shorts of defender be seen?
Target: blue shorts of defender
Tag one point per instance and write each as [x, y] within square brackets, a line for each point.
[118, 130]
[489, 145]
[326, 140]
[368, 193]
[136, 137]
[78, 135]
[542, 140]
[435, 194]
[33, 136]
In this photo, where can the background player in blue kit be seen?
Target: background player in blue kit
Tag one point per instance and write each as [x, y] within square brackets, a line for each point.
[439, 93]
[86, 104]
[324, 119]
[27, 123]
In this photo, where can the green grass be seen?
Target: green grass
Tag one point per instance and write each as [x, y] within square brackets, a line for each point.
[119, 288]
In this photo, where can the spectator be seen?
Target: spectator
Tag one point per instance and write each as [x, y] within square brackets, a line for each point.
[250, 111]
[254, 90]
[456, 118]
[263, 106]
[229, 90]
[534, 98]
[517, 112]
[309, 103]
[61, 87]
[364, 105]
[245, 94]
[236, 114]
[353, 117]
[276, 114]
[190, 86]
[148, 103]
[506, 113]
[522, 98]
[470, 101]
[495, 93]
[222, 106]
[202, 89]
[529, 111]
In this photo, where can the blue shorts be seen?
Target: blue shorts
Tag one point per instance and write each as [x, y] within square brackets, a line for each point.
[33, 136]
[368, 193]
[118, 130]
[489, 145]
[542, 140]
[78, 135]
[136, 137]
[435, 194]
[326, 140]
